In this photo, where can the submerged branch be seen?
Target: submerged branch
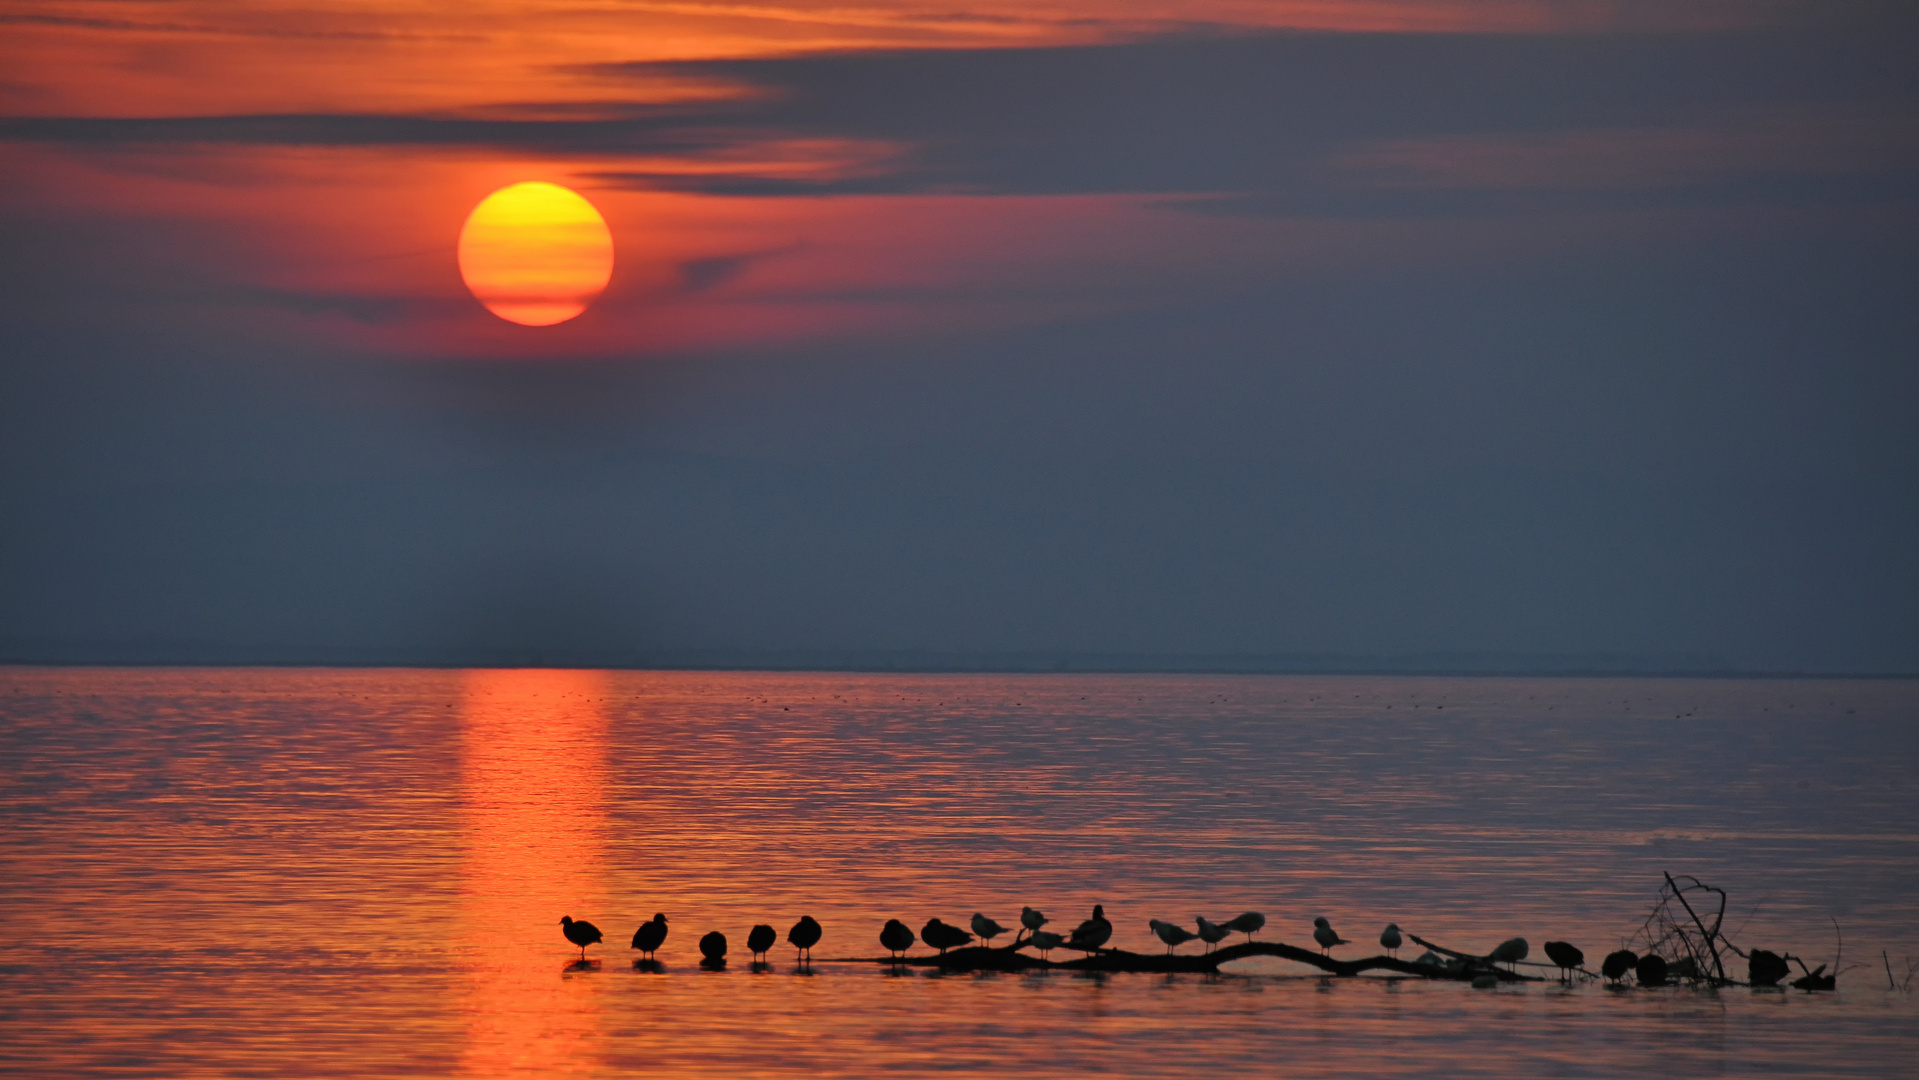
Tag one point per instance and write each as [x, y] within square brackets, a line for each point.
[1011, 958]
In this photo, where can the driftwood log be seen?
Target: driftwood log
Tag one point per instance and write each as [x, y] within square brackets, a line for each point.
[1013, 958]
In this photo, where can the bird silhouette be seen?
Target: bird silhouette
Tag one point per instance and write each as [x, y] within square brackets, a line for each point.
[1173, 936]
[1510, 952]
[1327, 937]
[1246, 922]
[579, 932]
[942, 936]
[1210, 932]
[1390, 940]
[986, 928]
[896, 936]
[1032, 919]
[1045, 941]
[713, 948]
[1616, 964]
[650, 936]
[761, 938]
[1091, 934]
[1565, 956]
[804, 935]
[1650, 970]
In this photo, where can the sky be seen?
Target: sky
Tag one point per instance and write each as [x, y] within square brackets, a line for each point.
[1460, 334]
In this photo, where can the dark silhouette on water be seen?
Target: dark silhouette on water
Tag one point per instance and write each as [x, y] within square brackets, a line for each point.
[1246, 922]
[804, 935]
[1616, 964]
[941, 936]
[1566, 957]
[1510, 952]
[1044, 942]
[986, 928]
[760, 939]
[650, 936]
[1032, 919]
[581, 933]
[1327, 937]
[1650, 971]
[1390, 939]
[1173, 936]
[1210, 932]
[713, 948]
[1091, 934]
[896, 936]
[1765, 967]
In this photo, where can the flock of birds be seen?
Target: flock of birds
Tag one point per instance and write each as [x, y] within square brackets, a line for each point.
[1092, 935]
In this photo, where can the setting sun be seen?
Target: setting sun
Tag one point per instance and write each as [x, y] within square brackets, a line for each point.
[535, 253]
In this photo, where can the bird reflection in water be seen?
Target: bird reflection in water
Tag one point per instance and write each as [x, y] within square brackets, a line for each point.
[533, 807]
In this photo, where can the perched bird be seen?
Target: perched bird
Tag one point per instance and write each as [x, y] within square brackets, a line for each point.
[1618, 963]
[1173, 936]
[650, 936]
[1510, 951]
[581, 933]
[804, 935]
[986, 928]
[1091, 934]
[1327, 937]
[1390, 939]
[1210, 932]
[1246, 922]
[1650, 971]
[1032, 919]
[896, 936]
[713, 947]
[942, 936]
[1045, 941]
[1765, 968]
[760, 939]
[1566, 956]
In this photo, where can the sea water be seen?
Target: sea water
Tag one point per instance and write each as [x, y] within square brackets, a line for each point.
[303, 873]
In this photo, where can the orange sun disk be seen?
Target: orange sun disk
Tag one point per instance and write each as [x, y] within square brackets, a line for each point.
[536, 253]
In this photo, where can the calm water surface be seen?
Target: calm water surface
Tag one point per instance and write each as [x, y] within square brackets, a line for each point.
[304, 873]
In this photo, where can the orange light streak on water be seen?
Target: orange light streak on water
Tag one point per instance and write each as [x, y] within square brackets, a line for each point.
[534, 807]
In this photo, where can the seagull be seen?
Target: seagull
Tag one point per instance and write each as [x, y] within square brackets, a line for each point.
[1566, 956]
[713, 947]
[1327, 937]
[986, 928]
[1247, 923]
[760, 939]
[1032, 919]
[896, 936]
[1389, 939]
[804, 935]
[942, 936]
[581, 933]
[1210, 932]
[1510, 952]
[650, 936]
[1173, 936]
[1618, 963]
[1045, 941]
[1092, 933]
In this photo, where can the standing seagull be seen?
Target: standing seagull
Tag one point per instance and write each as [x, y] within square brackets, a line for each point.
[713, 947]
[986, 928]
[1032, 919]
[650, 936]
[942, 936]
[1091, 934]
[581, 933]
[1566, 957]
[804, 935]
[1618, 963]
[1390, 940]
[1211, 933]
[896, 936]
[1173, 936]
[1327, 937]
[1045, 941]
[1247, 923]
[760, 939]
[1510, 952]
